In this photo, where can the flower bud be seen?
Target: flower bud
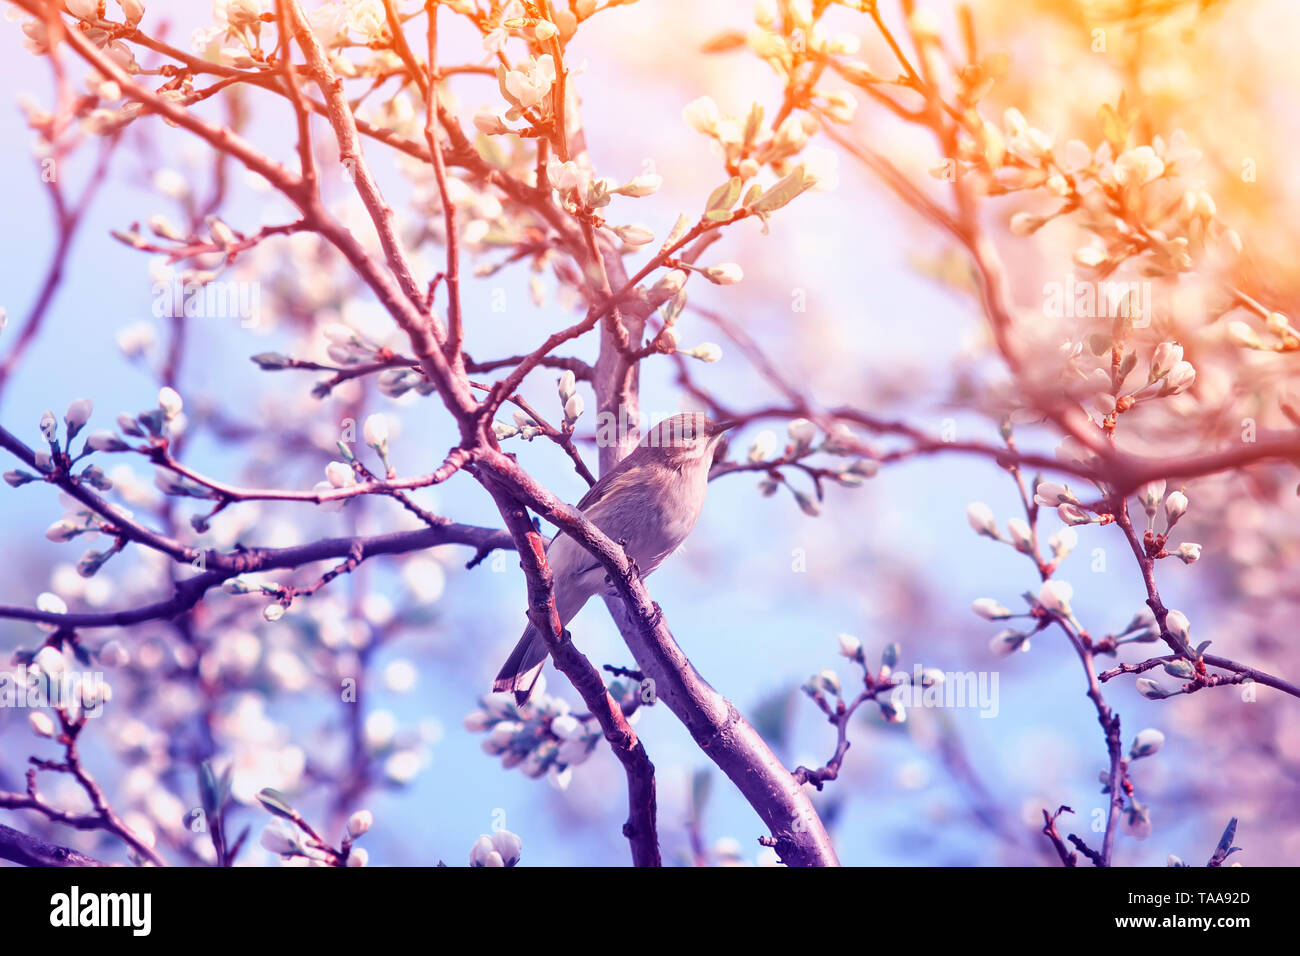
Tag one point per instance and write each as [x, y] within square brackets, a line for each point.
[802, 432]
[1025, 224]
[375, 432]
[508, 845]
[340, 475]
[41, 723]
[635, 234]
[132, 11]
[1137, 822]
[359, 823]
[990, 609]
[1165, 357]
[981, 519]
[1021, 535]
[728, 273]
[893, 711]
[113, 654]
[1150, 689]
[489, 123]
[271, 361]
[566, 727]
[106, 441]
[643, 185]
[702, 114]
[1050, 494]
[1188, 552]
[1180, 377]
[169, 400]
[484, 853]
[1055, 596]
[573, 408]
[1146, 743]
[829, 680]
[1175, 507]
[706, 352]
[84, 9]
[1150, 495]
[62, 530]
[77, 415]
[49, 426]
[1007, 642]
[358, 856]
[1089, 256]
[673, 282]
[1063, 542]
[850, 647]
[1177, 624]
[51, 661]
[1074, 515]
[763, 446]
[278, 838]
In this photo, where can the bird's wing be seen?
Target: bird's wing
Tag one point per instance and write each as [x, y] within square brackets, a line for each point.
[621, 476]
[615, 483]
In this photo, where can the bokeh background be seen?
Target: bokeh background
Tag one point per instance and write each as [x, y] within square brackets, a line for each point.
[893, 561]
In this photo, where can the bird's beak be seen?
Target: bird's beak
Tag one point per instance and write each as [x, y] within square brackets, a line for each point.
[721, 427]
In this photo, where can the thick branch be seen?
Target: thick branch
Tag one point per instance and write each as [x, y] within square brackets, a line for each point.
[18, 847]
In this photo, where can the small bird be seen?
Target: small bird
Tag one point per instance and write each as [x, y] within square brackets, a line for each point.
[650, 501]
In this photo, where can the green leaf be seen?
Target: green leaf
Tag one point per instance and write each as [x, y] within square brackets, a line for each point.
[673, 307]
[275, 802]
[784, 191]
[209, 791]
[679, 230]
[723, 198]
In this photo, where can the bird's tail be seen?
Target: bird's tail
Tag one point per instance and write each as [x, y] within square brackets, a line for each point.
[523, 666]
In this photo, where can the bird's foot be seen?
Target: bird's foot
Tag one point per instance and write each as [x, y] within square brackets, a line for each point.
[656, 614]
[631, 561]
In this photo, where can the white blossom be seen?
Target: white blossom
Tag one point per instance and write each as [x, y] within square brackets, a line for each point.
[981, 519]
[1147, 742]
[484, 853]
[727, 273]
[41, 723]
[990, 609]
[1177, 624]
[508, 845]
[1021, 535]
[1150, 689]
[375, 432]
[1175, 507]
[359, 823]
[1055, 596]
[702, 114]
